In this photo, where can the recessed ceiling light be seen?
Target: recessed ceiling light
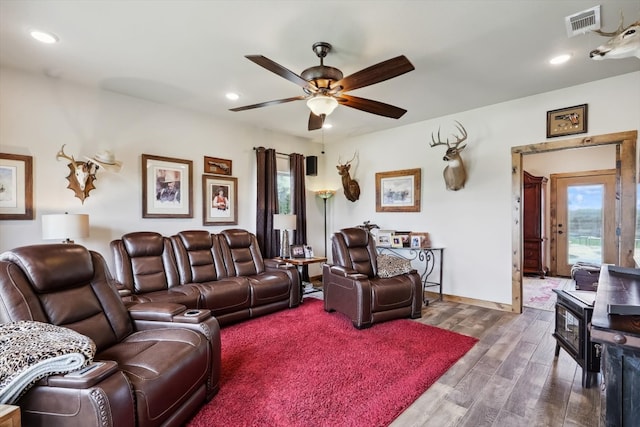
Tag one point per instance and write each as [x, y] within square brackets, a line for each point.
[232, 96]
[327, 126]
[44, 37]
[560, 59]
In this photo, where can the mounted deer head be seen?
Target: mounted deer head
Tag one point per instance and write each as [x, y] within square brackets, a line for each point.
[454, 174]
[350, 186]
[81, 175]
[625, 43]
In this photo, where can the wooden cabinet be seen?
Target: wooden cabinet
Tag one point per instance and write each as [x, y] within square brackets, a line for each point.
[533, 236]
[620, 338]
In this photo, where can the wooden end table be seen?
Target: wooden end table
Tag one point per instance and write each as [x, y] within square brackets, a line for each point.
[300, 263]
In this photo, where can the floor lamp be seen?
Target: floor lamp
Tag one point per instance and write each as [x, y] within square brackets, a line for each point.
[325, 195]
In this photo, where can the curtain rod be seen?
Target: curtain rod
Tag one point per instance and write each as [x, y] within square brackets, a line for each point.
[282, 154]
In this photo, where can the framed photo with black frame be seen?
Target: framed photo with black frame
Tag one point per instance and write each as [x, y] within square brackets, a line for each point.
[567, 121]
[297, 251]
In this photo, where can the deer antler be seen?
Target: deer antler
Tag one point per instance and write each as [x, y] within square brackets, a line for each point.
[64, 156]
[459, 139]
[615, 33]
[354, 156]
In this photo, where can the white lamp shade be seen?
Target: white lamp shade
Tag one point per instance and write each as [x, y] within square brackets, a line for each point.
[284, 222]
[322, 104]
[65, 226]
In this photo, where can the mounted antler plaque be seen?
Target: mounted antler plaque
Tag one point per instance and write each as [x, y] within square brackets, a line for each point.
[454, 174]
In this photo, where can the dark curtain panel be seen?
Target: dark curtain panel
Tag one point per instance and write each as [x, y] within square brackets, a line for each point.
[267, 201]
[298, 198]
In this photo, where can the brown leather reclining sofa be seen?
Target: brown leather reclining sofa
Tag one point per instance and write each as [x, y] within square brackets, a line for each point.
[154, 365]
[224, 273]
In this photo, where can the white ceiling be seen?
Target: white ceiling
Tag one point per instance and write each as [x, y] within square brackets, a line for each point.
[189, 53]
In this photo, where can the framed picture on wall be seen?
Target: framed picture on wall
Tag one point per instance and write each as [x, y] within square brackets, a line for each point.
[217, 166]
[398, 191]
[16, 186]
[167, 187]
[219, 200]
[567, 121]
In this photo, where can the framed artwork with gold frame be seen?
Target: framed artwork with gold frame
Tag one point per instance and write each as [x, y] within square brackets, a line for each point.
[398, 191]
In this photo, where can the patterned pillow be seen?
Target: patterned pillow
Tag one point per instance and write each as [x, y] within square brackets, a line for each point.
[389, 266]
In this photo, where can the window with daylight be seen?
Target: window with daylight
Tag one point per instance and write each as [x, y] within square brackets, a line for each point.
[284, 184]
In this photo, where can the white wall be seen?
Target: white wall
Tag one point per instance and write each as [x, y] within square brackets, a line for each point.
[473, 224]
[38, 115]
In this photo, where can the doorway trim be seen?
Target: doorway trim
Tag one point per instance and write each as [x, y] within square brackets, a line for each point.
[625, 157]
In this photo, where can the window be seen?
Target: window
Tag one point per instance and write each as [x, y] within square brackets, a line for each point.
[284, 184]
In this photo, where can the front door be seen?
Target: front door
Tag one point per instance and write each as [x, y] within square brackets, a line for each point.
[584, 227]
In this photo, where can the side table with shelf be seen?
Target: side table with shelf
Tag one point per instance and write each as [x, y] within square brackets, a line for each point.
[300, 263]
[427, 262]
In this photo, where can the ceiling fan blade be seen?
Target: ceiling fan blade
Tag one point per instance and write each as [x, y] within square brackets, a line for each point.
[281, 71]
[375, 74]
[315, 122]
[370, 106]
[268, 103]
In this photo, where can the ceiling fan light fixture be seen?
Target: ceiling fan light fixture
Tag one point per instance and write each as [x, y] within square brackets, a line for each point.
[322, 104]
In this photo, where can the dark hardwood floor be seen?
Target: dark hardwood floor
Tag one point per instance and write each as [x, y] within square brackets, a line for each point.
[510, 378]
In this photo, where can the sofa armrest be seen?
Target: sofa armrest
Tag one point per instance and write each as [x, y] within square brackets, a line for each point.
[83, 378]
[156, 311]
[339, 270]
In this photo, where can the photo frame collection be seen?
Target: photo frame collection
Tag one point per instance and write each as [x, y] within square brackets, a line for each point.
[402, 239]
[167, 189]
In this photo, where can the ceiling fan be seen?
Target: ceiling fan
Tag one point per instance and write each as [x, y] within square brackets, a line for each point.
[325, 86]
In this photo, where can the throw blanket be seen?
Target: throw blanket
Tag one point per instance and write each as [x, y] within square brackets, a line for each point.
[30, 351]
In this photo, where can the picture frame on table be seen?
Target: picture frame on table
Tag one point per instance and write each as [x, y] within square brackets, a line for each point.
[383, 238]
[16, 187]
[167, 187]
[297, 251]
[419, 241]
[396, 241]
[567, 121]
[217, 166]
[308, 251]
[398, 191]
[219, 200]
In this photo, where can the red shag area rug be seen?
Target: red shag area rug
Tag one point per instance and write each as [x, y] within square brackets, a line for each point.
[307, 367]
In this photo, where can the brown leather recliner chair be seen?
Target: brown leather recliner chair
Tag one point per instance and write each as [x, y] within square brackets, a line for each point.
[149, 378]
[352, 286]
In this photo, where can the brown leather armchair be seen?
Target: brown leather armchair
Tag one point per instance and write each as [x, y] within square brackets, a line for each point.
[151, 377]
[352, 286]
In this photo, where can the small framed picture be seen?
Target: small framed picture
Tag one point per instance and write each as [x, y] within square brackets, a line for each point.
[420, 240]
[297, 251]
[567, 121]
[217, 166]
[396, 241]
[219, 200]
[383, 238]
[308, 251]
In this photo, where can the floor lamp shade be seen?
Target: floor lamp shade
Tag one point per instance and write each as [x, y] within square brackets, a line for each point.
[284, 223]
[65, 226]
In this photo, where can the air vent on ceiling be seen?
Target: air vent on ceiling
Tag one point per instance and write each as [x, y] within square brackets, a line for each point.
[583, 22]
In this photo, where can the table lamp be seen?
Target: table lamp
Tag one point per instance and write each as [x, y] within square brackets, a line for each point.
[284, 223]
[65, 226]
